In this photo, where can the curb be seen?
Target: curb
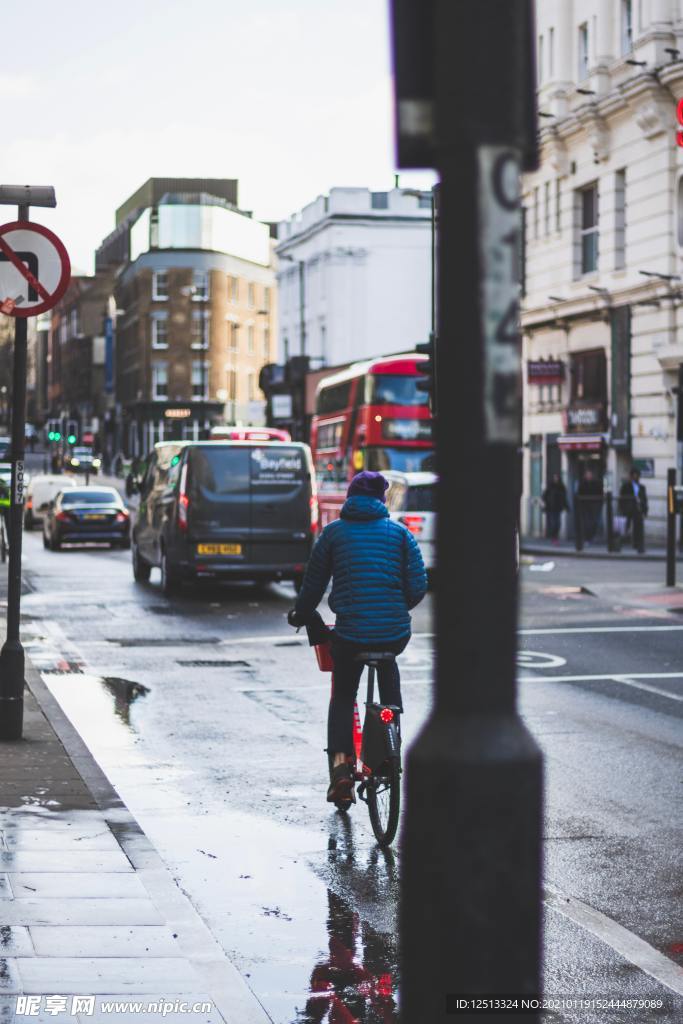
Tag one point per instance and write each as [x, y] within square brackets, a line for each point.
[231, 994]
[606, 556]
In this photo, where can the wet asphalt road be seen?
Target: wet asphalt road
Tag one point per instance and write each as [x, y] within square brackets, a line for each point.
[206, 712]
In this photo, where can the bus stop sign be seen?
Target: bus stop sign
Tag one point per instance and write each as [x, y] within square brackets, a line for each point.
[34, 269]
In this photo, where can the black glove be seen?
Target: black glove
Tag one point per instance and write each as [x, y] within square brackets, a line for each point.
[294, 618]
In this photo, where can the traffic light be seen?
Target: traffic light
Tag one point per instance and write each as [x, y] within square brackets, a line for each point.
[428, 368]
[53, 430]
[72, 431]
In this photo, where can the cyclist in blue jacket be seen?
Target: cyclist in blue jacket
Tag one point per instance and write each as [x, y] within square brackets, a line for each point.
[377, 576]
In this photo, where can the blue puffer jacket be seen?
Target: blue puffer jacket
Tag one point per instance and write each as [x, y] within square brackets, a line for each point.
[377, 572]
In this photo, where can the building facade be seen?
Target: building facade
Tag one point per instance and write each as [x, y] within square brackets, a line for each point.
[355, 276]
[601, 310]
[192, 315]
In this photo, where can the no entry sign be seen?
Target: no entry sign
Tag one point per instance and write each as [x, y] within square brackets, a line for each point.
[34, 269]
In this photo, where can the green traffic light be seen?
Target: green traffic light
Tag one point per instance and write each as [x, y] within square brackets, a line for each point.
[57, 436]
[71, 439]
[51, 436]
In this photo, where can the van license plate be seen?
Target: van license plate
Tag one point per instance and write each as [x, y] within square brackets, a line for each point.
[219, 549]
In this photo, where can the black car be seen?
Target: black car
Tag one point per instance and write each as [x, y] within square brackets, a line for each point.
[81, 460]
[84, 514]
[225, 510]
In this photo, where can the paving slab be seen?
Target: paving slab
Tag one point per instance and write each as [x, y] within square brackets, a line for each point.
[78, 884]
[88, 975]
[69, 912]
[73, 860]
[102, 940]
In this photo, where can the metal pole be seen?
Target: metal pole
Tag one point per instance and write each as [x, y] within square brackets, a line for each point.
[610, 520]
[12, 653]
[578, 523]
[471, 845]
[671, 528]
[302, 306]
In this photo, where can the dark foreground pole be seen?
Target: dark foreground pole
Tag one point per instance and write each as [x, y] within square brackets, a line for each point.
[12, 653]
[470, 908]
[671, 528]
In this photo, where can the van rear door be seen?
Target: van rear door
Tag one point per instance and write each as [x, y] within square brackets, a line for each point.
[280, 504]
[218, 488]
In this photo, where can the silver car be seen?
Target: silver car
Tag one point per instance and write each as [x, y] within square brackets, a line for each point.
[411, 500]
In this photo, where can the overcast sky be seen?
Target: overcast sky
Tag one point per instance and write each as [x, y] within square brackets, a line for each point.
[291, 97]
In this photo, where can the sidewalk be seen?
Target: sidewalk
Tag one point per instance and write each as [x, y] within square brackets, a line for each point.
[596, 549]
[89, 913]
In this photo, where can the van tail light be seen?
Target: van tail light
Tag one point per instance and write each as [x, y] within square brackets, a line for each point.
[315, 514]
[183, 502]
[29, 503]
[413, 523]
[122, 516]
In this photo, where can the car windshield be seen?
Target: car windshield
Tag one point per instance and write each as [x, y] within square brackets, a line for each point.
[91, 498]
[82, 453]
[421, 499]
[403, 460]
[4, 446]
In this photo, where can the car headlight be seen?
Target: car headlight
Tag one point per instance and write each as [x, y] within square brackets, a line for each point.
[75, 462]
[97, 462]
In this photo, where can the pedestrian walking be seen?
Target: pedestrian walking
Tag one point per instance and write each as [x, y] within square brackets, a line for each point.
[634, 507]
[554, 504]
[589, 495]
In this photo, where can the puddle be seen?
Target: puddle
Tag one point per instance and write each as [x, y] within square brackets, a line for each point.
[125, 692]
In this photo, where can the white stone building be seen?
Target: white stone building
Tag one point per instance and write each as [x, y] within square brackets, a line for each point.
[358, 263]
[601, 313]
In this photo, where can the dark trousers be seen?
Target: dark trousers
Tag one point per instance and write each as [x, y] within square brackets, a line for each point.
[347, 674]
[553, 520]
[636, 523]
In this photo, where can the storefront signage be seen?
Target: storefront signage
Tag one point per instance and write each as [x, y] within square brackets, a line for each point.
[585, 417]
[545, 371]
[177, 414]
[281, 407]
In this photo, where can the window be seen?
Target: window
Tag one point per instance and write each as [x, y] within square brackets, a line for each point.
[546, 209]
[251, 386]
[251, 295]
[540, 60]
[620, 220]
[379, 200]
[233, 289]
[233, 337]
[250, 339]
[73, 323]
[232, 385]
[266, 299]
[589, 376]
[160, 284]
[626, 27]
[558, 204]
[159, 330]
[588, 220]
[200, 379]
[266, 342]
[159, 381]
[200, 283]
[200, 328]
[551, 52]
[424, 201]
[583, 51]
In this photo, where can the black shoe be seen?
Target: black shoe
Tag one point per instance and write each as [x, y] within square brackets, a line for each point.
[341, 787]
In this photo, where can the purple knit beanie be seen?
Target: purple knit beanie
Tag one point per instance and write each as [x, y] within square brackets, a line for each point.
[372, 485]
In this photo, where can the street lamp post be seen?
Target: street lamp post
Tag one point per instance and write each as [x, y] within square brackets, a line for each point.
[191, 291]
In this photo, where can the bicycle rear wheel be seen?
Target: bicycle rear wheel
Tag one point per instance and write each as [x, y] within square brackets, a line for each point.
[383, 791]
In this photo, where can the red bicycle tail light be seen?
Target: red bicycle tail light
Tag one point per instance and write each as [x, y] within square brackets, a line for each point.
[413, 523]
[387, 715]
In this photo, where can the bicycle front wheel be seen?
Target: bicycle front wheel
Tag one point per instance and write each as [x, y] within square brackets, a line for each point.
[383, 790]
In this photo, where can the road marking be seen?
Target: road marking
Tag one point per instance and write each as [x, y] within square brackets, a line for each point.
[537, 660]
[600, 629]
[627, 680]
[634, 949]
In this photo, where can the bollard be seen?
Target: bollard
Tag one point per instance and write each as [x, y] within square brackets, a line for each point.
[671, 528]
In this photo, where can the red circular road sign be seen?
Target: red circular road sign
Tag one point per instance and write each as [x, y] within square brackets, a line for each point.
[34, 269]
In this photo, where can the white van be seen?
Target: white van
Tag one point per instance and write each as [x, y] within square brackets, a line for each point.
[40, 492]
[411, 500]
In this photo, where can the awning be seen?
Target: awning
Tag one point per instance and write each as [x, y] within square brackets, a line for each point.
[581, 442]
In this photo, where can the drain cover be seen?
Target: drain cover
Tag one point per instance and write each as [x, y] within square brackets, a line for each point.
[217, 663]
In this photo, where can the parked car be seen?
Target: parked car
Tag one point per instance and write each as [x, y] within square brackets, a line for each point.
[40, 492]
[79, 515]
[5, 443]
[225, 510]
[81, 460]
[411, 500]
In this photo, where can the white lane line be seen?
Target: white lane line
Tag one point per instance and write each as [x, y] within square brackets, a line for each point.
[627, 680]
[600, 629]
[634, 949]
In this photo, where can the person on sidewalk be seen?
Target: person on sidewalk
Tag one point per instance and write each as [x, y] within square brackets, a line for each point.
[378, 576]
[634, 507]
[554, 504]
[589, 496]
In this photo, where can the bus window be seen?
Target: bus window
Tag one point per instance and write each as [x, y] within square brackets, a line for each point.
[392, 389]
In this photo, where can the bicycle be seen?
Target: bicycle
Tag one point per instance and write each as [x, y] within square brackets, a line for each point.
[377, 747]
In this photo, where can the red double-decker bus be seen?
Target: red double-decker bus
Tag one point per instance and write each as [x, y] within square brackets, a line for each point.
[369, 416]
